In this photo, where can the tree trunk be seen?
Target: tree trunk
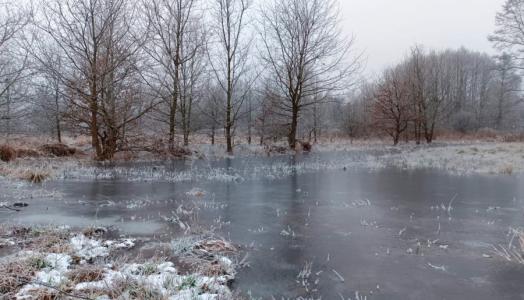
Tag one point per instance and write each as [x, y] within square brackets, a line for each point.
[58, 130]
[57, 116]
[229, 121]
[172, 119]
[292, 135]
[94, 136]
[396, 138]
[229, 140]
[430, 134]
[93, 127]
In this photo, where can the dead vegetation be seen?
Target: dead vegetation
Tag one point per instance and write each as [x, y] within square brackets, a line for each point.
[36, 176]
[27, 153]
[306, 146]
[86, 274]
[514, 138]
[13, 274]
[7, 153]
[180, 152]
[215, 246]
[200, 267]
[33, 174]
[276, 149]
[58, 150]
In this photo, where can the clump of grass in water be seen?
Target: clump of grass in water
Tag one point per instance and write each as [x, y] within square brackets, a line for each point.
[512, 252]
[507, 170]
[37, 176]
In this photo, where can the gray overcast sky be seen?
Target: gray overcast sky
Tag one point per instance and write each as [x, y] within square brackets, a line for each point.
[386, 29]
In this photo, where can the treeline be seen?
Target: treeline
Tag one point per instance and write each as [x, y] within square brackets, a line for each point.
[123, 70]
[430, 91]
[149, 74]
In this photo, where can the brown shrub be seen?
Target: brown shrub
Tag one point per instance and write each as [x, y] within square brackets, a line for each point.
[7, 153]
[276, 149]
[513, 138]
[58, 150]
[180, 152]
[306, 146]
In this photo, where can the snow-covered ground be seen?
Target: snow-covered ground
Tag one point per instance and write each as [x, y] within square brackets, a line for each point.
[79, 266]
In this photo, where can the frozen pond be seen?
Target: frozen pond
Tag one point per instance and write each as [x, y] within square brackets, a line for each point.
[326, 229]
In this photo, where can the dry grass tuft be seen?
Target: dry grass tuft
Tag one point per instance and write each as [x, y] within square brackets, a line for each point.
[44, 293]
[7, 153]
[94, 231]
[507, 170]
[35, 176]
[53, 242]
[86, 273]
[27, 153]
[13, 275]
[213, 269]
[216, 246]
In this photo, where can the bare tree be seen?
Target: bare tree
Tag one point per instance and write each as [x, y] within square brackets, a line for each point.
[13, 59]
[230, 57]
[192, 75]
[171, 22]
[211, 109]
[357, 118]
[509, 35]
[429, 91]
[99, 48]
[51, 95]
[392, 107]
[507, 83]
[307, 54]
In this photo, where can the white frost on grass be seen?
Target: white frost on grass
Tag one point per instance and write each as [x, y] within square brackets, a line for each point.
[123, 244]
[158, 278]
[481, 158]
[87, 248]
[459, 158]
[164, 280]
[53, 274]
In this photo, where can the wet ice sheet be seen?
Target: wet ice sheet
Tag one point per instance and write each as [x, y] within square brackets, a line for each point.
[386, 234]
